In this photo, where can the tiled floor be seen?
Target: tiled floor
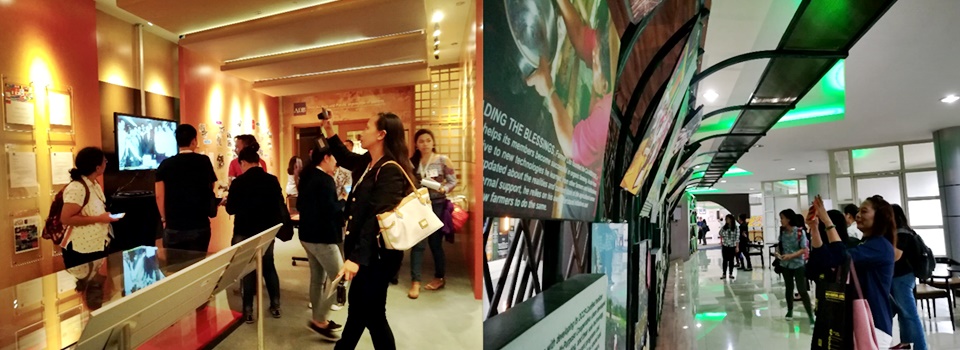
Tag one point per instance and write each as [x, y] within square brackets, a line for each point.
[448, 319]
[706, 313]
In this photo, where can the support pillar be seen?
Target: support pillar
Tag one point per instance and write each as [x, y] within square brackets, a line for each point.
[946, 143]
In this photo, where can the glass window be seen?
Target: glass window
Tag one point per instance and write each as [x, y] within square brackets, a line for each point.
[768, 188]
[874, 160]
[844, 191]
[934, 239]
[784, 203]
[841, 162]
[803, 186]
[785, 187]
[888, 187]
[804, 202]
[925, 213]
[919, 156]
[922, 184]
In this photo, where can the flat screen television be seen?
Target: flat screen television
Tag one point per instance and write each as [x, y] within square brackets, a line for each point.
[143, 142]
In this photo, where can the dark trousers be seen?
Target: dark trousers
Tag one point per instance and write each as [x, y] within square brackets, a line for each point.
[191, 240]
[72, 258]
[368, 308]
[728, 256]
[744, 256]
[249, 289]
[800, 277]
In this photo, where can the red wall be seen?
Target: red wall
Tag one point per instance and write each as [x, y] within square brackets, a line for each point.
[211, 97]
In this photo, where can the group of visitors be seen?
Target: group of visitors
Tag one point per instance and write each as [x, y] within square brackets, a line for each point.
[338, 194]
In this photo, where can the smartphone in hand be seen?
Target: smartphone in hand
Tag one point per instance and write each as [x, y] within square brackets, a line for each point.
[118, 216]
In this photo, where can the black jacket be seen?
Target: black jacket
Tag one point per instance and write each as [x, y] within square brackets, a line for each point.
[321, 214]
[256, 199]
[381, 190]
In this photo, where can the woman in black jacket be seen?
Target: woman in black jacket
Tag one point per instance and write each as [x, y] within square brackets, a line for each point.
[379, 189]
[321, 223]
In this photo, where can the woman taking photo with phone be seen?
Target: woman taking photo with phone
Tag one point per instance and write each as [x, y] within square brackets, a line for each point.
[380, 188]
[873, 258]
[430, 166]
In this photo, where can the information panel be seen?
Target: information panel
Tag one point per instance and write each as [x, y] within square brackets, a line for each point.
[547, 103]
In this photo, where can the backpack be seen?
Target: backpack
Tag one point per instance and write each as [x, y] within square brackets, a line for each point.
[922, 260]
[53, 229]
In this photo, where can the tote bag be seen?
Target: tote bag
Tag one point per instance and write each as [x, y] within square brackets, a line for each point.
[864, 336]
[833, 328]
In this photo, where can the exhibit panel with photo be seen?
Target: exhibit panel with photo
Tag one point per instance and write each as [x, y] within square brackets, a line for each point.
[549, 72]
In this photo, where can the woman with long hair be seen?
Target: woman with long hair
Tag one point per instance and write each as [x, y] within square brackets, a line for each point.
[294, 167]
[873, 258]
[904, 282]
[428, 165]
[380, 188]
[85, 210]
[729, 241]
[793, 247]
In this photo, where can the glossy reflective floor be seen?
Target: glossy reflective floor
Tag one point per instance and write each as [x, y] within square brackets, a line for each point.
[706, 313]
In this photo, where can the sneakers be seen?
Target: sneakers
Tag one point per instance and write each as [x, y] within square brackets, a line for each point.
[248, 318]
[336, 307]
[789, 316]
[724, 277]
[733, 278]
[331, 333]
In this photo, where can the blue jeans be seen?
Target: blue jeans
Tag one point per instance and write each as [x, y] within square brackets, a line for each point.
[905, 306]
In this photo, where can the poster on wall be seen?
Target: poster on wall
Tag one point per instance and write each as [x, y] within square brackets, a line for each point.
[643, 295]
[60, 165]
[18, 103]
[610, 257]
[59, 108]
[547, 103]
[675, 145]
[664, 118]
[23, 169]
[26, 234]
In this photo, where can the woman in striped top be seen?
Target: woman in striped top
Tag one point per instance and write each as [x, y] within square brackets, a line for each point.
[730, 241]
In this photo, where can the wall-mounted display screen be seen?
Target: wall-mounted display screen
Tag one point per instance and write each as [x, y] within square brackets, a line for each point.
[143, 142]
[549, 69]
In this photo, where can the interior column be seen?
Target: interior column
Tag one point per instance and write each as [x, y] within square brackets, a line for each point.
[946, 143]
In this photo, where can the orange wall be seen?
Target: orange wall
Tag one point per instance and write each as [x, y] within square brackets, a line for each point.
[346, 106]
[117, 50]
[47, 42]
[473, 97]
[214, 99]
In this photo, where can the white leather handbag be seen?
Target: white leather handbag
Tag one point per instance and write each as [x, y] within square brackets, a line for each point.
[411, 221]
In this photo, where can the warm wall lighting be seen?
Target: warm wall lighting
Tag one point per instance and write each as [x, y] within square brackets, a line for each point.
[437, 16]
[711, 96]
[436, 32]
[950, 98]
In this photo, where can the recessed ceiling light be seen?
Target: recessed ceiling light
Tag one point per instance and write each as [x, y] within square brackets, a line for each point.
[792, 169]
[697, 167]
[723, 181]
[437, 16]
[751, 188]
[150, 24]
[951, 98]
[711, 95]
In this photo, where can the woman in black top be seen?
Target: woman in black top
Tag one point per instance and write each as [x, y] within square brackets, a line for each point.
[904, 283]
[321, 223]
[379, 189]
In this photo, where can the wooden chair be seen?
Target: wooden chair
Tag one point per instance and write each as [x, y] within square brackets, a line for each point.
[928, 293]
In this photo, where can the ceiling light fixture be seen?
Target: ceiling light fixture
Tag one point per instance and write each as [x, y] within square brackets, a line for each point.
[150, 24]
[723, 181]
[751, 188]
[344, 70]
[437, 16]
[436, 32]
[345, 42]
[711, 95]
[792, 169]
[951, 98]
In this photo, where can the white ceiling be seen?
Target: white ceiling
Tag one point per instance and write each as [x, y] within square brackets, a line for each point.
[296, 47]
[895, 76]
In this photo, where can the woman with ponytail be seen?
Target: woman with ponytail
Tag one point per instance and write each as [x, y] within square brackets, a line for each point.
[85, 210]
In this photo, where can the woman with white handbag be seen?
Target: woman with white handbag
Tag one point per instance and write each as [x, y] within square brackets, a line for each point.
[370, 264]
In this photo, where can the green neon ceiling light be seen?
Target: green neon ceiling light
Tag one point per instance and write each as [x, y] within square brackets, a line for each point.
[861, 153]
[790, 182]
[711, 316]
[835, 79]
[735, 171]
[696, 190]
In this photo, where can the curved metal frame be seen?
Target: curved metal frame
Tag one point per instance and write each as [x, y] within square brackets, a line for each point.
[728, 134]
[764, 107]
[661, 54]
[766, 54]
